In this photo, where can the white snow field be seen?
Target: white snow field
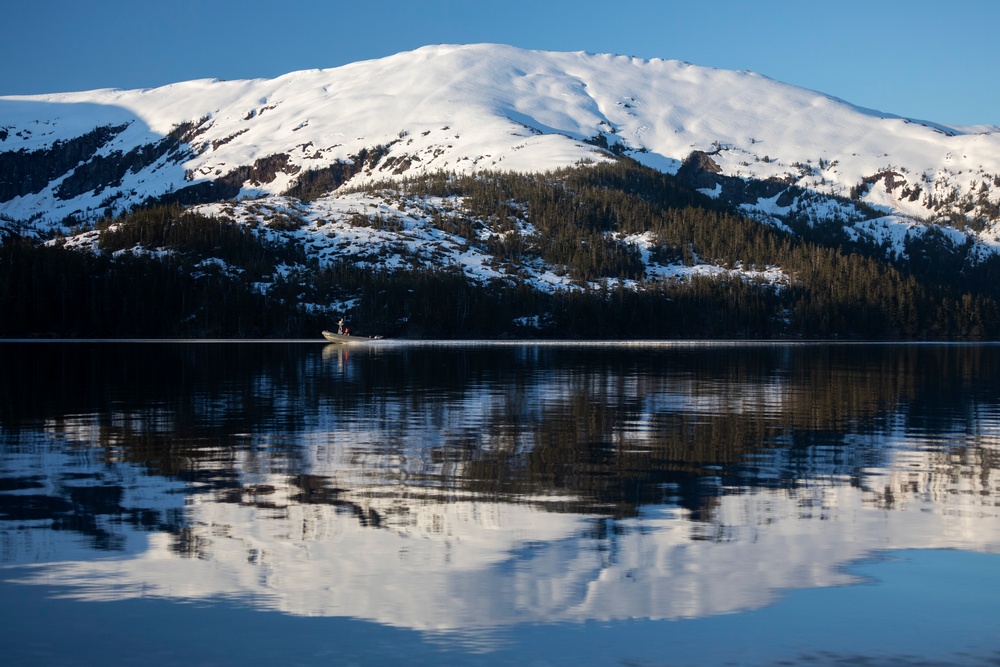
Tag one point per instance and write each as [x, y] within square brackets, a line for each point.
[468, 108]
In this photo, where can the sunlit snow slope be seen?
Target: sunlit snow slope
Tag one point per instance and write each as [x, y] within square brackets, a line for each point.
[475, 107]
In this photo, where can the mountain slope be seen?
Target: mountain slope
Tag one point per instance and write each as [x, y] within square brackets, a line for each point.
[487, 107]
[488, 191]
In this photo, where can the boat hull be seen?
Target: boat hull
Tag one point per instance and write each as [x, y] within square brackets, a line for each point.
[345, 339]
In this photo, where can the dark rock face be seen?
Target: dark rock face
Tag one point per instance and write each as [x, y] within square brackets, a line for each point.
[264, 170]
[315, 183]
[228, 186]
[204, 192]
[83, 171]
[107, 171]
[700, 171]
[29, 172]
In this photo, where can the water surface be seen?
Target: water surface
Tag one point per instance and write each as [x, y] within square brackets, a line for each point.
[483, 504]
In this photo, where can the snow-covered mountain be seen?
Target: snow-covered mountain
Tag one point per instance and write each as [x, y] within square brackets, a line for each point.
[78, 156]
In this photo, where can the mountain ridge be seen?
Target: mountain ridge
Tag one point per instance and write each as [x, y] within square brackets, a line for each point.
[468, 108]
[484, 190]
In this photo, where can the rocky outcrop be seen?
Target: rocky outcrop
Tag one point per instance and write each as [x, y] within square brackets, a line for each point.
[107, 171]
[229, 185]
[315, 183]
[29, 172]
[701, 172]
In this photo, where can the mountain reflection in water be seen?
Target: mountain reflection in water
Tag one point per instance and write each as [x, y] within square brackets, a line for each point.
[468, 488]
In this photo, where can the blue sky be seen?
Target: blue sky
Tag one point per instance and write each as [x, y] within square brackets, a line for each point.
[927, 60]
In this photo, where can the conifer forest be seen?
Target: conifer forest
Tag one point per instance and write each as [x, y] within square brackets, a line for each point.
[164, 270]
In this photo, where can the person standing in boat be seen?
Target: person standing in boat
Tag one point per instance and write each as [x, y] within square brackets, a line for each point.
[340, 326]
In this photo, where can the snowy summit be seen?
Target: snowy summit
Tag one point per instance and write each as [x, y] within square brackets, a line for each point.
[478, 107]
[484, 190]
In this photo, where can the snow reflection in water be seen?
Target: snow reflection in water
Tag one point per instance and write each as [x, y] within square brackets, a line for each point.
[462, 490]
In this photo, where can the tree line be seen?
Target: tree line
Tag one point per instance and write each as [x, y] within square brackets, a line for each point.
[166, 271]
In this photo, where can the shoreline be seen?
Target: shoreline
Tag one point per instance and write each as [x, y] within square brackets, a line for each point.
[487, 342]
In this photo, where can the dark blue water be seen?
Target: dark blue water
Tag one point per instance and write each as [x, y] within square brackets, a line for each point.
[219, 503]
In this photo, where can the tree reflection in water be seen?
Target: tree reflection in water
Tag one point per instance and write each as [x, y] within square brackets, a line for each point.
[554, 476]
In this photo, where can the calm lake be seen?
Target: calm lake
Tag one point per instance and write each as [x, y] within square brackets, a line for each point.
[507, 504]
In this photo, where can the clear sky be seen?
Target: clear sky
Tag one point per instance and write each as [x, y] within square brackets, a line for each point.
[930, 60]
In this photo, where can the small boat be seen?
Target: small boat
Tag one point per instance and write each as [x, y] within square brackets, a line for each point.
[346, 339]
